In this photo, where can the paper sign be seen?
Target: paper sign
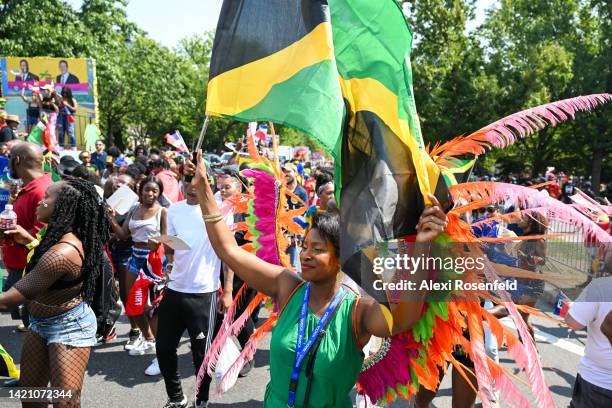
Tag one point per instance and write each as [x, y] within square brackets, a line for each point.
[122, 200]
[172, 241]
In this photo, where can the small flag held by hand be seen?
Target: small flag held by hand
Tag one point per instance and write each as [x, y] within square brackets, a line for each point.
[175, 139]
[7, 366]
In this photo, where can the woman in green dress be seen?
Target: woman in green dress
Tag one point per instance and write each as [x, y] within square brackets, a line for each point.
[326, 322]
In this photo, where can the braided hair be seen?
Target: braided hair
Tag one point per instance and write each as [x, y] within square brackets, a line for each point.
[79, 210]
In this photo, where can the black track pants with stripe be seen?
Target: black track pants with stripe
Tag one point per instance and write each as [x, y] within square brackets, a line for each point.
[178, 311]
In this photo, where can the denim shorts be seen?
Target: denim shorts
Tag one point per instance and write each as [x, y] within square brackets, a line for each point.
[121, 256]
[138, 260]
[76, 327]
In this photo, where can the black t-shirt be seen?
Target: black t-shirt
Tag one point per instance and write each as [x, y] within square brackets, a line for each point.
[48, 101]
[302, 194]
[7, 134]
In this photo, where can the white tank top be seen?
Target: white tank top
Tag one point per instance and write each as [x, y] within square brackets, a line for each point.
[143, 230]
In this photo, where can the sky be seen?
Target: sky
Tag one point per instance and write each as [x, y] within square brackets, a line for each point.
[167, 22]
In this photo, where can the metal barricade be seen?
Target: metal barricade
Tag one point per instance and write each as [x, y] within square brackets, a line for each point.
[572, 251]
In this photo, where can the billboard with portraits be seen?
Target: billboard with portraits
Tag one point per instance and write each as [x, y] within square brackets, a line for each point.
[28, 74]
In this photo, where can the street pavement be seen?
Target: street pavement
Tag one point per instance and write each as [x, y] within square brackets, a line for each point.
[115, 379]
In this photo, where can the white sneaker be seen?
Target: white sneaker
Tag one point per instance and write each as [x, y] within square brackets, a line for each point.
[135, 339]
[146, 347]
[153, 369]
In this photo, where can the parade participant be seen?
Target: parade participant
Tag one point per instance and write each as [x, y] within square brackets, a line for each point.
[33, 110]
[220, 176]
[66, 118]
[190, 299]
[98, 158]
[25, 163]
[51, 103]
[120, 252]
[59, 282]
[145, 221]
[593, 310]
[85, 158]
[325, 192]
[294, 187]
[311, 301]
[161, 169]
[532, 255]
[9, 132]
[140, 150]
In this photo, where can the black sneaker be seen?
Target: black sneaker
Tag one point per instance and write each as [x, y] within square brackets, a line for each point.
[177, 404]
[13, 382]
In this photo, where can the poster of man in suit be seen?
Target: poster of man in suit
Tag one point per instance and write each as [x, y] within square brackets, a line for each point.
[24, 72]
[65, 77]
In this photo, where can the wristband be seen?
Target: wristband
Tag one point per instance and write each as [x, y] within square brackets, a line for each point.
[32, 245]
[212, 218]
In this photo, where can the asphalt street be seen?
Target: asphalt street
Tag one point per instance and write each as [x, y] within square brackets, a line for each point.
[115, 379]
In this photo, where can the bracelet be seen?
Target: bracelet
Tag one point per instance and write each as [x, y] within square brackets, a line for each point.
[212, 218]
[32, 244]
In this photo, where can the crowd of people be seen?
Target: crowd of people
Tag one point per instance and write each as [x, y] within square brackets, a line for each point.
[58, 221]
[69, 240]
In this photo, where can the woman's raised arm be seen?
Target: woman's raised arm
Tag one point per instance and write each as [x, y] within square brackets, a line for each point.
[272, 280]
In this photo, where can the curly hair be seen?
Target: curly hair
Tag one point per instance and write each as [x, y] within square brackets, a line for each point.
[151, 179]
[79, 210]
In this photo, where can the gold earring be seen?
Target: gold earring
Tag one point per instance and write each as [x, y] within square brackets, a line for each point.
[340, 277]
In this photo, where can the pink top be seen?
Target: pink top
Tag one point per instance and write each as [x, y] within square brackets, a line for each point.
[171, 186]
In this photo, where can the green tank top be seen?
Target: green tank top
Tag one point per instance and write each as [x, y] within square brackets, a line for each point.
[337, 364]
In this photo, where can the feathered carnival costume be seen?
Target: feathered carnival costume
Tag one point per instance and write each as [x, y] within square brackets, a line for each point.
[453, 319]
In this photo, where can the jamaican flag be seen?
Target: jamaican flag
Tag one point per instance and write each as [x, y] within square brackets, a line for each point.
[273, 60]
[459, 172]
[7, 367]
[384, 169]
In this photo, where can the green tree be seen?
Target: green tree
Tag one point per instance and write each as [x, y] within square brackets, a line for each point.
[42, 27]
[454, 94]
[542, 51]
[160, 97]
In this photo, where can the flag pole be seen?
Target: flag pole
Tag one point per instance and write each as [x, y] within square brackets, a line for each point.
[202, 133]
[274, 145]
[199, 145]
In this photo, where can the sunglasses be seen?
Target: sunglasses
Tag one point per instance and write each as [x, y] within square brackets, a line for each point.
[490, 209]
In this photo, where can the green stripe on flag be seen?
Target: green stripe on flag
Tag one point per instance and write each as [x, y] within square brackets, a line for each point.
[313, 111]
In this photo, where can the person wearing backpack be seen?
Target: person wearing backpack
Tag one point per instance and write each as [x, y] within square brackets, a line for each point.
[105, 303]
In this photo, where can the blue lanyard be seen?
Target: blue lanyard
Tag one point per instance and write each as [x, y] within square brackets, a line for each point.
[301, 349]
